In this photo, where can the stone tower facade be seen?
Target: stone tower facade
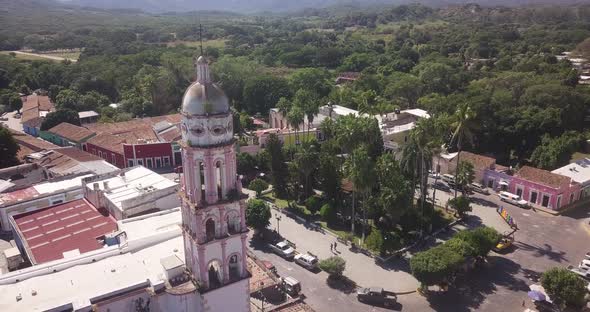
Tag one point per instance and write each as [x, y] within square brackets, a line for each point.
[213, 206]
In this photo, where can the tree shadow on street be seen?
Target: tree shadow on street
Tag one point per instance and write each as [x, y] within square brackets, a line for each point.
[471, 289]
[483, 202]
[543, 251]
[395, 264]
[578, 213]
[341, 283]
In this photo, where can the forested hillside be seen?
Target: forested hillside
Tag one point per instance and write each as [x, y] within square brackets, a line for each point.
[500, 61]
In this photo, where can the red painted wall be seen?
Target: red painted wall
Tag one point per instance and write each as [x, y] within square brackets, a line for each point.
[106, 155]
[150, 150]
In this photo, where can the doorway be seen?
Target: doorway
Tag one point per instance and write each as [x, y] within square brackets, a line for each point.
[534, 197]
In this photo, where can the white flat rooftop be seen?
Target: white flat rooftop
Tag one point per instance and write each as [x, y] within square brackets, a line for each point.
[50, 187]
[149, 224]
[136, 183]
[78, 284]
[578, 171]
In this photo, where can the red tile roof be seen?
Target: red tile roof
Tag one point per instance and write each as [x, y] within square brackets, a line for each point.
[112, 136]
[71, 132]
[49, 232]
[479, 162]
[31, 142]
[42, 102]
[543, 177]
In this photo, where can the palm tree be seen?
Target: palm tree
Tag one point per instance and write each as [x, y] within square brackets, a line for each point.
[284, 107]
[463, 125]
[295, 118]
[306, 159]
[361, 172]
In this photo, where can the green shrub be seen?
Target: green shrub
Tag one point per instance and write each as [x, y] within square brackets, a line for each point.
[334, 266]
[328, 213]
[375, 241]
[313, 204]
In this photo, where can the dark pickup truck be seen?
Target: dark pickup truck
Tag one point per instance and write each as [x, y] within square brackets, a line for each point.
[376, 296]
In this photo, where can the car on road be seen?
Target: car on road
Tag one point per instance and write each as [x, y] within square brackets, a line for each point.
[269, 266]
[308, 261]
[479, 188]
[439, 185]
[504, 243]
[449, 178]
[581, 272]
[283, 249]
[584, 265]
[376, 296]
[291, 286]
[513, 199]
[434, 175]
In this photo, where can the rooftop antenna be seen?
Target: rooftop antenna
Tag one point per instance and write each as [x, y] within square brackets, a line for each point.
[201, 37]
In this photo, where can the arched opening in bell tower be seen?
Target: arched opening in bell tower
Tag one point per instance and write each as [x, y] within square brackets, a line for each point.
[210, 229]
[214, 274]
[233, 222]
[201, 186]
[219, 179]
[234, 267]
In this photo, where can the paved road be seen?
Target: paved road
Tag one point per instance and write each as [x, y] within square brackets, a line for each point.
[319, 295]
[543, 241]
[12, 122]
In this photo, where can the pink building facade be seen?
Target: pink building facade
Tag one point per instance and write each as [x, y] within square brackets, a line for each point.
[539, 187]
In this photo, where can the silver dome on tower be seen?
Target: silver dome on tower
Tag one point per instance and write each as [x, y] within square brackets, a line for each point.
[203, 97]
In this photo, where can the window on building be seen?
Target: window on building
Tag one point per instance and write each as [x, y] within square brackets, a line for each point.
[166, 161]
[545, 201]
[100, 154]
[558, 205]
[149, 163]
[571, 198]
[533, 197]
[234, 268]
[130, 163]
[158, 163]
[140, 162]
[113, 158]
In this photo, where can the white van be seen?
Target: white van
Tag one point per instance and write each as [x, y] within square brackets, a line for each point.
[449, 178]
[513, 199]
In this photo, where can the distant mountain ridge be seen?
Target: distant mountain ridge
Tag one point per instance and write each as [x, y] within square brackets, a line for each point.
[252, 6]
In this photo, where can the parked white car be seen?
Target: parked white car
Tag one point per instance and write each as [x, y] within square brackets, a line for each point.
[513, 199]
[307, 261]
[479, 188]
[580, 272]
[283, 249]
[584, 265]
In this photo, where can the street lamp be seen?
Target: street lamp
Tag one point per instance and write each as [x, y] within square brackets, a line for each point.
[279, 218]
[261, 295]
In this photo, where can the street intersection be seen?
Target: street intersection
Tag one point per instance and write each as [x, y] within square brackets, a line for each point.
[543, 241]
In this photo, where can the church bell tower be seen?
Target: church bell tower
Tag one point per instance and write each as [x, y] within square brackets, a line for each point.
[213, 206]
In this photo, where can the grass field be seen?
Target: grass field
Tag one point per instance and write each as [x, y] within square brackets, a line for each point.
[216, 43]
[43, 57]
[68, 55]
[27, 57]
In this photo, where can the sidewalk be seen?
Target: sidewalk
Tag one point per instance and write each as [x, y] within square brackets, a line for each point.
[393, 276]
